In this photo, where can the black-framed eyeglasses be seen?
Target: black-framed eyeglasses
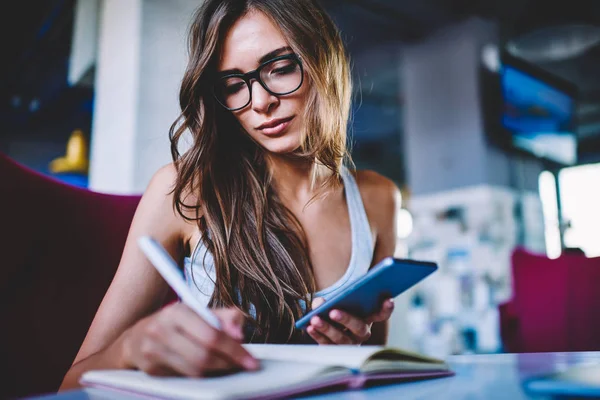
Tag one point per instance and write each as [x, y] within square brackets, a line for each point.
[280, 76]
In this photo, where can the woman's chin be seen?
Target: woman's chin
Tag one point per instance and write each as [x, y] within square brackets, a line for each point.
[282, 145]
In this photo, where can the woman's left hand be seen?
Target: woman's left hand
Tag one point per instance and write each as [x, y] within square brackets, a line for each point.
[355, 330]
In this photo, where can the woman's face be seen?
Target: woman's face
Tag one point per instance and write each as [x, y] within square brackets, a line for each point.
[273, 121]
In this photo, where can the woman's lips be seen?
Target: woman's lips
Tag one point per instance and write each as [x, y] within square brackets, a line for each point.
[277, 129]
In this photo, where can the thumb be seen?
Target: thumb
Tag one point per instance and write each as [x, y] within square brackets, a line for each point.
[232, 321]
[317, 301]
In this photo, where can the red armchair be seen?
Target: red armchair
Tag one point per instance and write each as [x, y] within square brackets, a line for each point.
[555, 304]
[60, 248]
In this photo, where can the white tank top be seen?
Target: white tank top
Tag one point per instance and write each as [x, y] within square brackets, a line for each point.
[201, 275]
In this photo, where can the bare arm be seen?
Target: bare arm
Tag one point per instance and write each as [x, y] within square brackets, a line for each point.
[137, 289]
[127, 332]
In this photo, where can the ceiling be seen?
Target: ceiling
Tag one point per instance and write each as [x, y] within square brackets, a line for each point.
[384, 21]
[35, 36]
[408, 20]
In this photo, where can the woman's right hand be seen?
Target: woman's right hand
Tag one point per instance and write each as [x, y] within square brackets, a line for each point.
[176, 341]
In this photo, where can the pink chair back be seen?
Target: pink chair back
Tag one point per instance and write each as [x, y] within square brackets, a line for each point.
[555, 304]
[60, 248]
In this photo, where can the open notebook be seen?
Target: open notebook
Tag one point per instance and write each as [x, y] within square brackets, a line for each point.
[286, 370]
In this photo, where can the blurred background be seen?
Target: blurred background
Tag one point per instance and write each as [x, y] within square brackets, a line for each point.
[486, 113]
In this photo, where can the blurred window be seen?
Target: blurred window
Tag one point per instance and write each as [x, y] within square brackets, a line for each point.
[547, 185]
[580, 205]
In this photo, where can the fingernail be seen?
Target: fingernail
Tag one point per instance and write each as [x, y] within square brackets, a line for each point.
[389, 304]
[336, 315]
[316, 321]
[250, 363]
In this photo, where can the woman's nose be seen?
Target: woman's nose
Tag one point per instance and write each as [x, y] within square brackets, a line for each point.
[262, 101]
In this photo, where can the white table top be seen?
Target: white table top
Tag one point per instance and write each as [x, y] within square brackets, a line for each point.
[493, 376]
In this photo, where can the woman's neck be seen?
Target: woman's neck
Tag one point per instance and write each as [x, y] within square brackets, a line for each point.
[292, 178]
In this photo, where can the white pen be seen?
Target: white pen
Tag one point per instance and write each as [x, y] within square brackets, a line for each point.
[167, 267]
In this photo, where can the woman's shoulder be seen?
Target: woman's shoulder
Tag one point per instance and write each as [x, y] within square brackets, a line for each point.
[375, 187]
[380, 195]
[164, 177]
[161, 195]
[163, 184]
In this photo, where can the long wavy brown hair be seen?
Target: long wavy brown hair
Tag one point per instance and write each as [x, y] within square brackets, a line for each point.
[260, 251]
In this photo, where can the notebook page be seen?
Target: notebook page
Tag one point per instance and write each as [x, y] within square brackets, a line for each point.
[340, 355]
[381, 366]
[272, 377]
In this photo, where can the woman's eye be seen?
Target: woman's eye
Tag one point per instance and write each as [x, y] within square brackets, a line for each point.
[233, 88]
[285, 70]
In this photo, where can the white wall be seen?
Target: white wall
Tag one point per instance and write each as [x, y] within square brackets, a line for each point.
[114, 127]
[141, 60]
[443, 127]
[450, 162]
[84, 45]
[163, 61]
[445, 138]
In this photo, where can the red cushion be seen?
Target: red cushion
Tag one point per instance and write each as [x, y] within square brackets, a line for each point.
[61, 246]
[540, 291]
[555, 305]
[584, 303]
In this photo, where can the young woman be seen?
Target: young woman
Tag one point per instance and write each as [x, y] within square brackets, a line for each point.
[261, 210]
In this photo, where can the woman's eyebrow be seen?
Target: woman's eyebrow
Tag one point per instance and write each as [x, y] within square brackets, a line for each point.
[274, 54]
[263, 59]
